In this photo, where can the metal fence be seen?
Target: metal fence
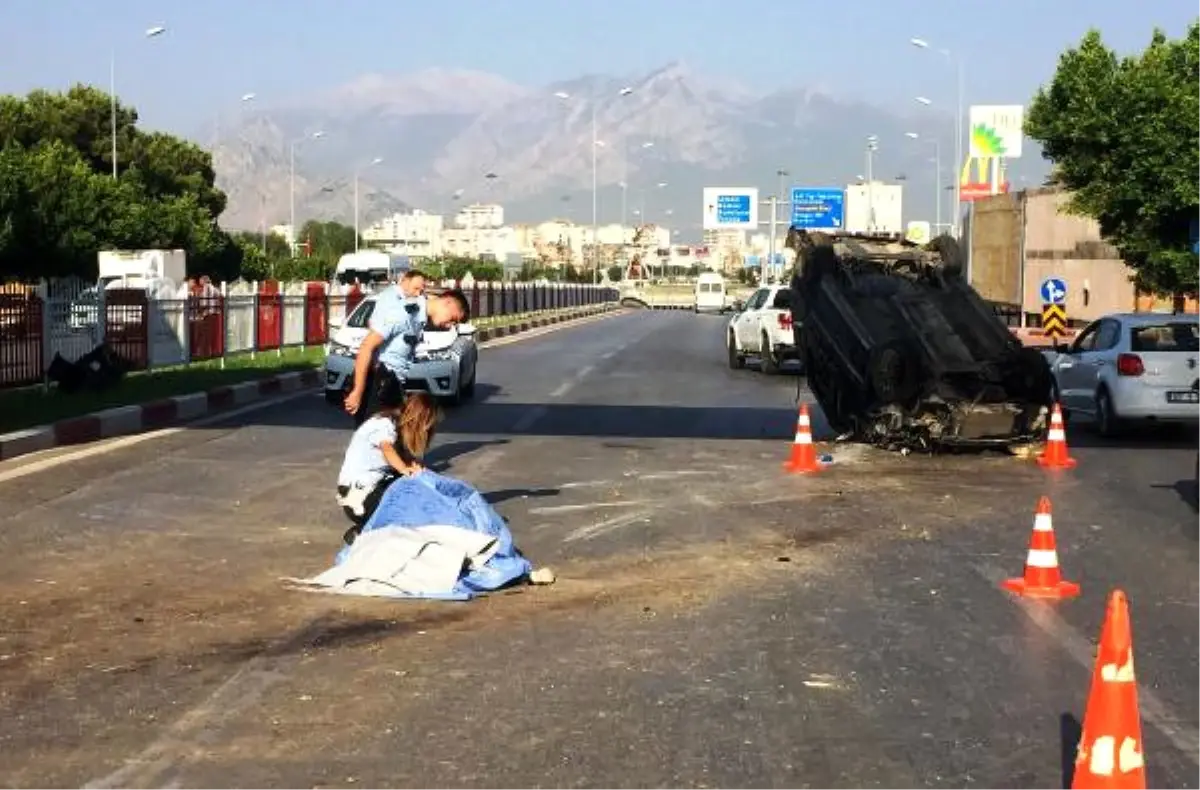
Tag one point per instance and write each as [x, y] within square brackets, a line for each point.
[63, 318]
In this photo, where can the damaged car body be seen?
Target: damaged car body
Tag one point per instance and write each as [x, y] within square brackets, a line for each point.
[902, 353]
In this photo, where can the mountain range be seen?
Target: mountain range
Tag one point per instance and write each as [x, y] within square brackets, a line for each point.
[446, 137]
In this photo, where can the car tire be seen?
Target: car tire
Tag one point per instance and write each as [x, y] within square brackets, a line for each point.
[335, 397]
[769, 363]
[736, 360]
[1108, 424]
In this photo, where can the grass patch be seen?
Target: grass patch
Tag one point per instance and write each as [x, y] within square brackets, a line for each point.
[32, 406]
[26, 408]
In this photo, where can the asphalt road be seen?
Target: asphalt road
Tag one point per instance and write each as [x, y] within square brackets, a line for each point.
[715, 622]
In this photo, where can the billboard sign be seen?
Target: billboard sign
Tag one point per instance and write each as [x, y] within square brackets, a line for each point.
[730, 208]
[996, 131]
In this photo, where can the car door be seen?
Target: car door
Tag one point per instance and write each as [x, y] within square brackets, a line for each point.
[746, 325]
[1068, 373]
[1092, 361]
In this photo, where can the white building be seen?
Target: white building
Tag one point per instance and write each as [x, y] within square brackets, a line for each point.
[418, 233]
[284, 232]
[885, 199]
[480, 215]
[488, 243]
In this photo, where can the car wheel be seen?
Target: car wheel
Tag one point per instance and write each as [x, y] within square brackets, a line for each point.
[335, 397]
[736, 360]
[770, 363]
[1107, 422]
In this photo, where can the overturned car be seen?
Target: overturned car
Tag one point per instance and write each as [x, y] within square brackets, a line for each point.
[901, 352]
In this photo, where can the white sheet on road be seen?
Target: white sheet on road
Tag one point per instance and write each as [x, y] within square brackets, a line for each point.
[410, 561]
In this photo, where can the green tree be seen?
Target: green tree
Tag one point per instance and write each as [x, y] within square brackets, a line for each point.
[61, 205]
[615, 272]
[329, 240]
[1122, 134]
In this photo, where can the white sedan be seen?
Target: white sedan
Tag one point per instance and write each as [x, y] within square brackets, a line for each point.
[1131, 367]
[444, 364]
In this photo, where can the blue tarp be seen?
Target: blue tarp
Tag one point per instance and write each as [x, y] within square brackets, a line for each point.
[428, 498]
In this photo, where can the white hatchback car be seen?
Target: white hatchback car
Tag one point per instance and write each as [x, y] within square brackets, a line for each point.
[444, 364]
[1131, 367]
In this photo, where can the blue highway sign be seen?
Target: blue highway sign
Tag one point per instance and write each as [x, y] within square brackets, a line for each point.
[818, 209]
[1054, 290]
[733, 209]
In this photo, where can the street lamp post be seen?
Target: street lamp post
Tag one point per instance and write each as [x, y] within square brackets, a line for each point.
[292, 181]
[246, 99]
[937, 175]
[872, 147]
[357, 171]
[959, 122]
[153, 32]
[595, 145]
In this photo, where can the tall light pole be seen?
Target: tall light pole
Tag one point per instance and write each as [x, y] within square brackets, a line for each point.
[959, 122]
[153, 32]
[937, 175]
[596, 144]
[292, 180]
[245, 99]
[357, 171]
[872, 147]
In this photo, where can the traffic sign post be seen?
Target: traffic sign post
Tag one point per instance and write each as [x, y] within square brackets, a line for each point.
[818, 209]
[1054, 321]
[1054, 291]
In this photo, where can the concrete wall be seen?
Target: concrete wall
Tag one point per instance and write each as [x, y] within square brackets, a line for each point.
[995, 234]
[1029, 228]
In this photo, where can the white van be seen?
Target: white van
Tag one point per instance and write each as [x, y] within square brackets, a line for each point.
[710, 293]
[371, 266]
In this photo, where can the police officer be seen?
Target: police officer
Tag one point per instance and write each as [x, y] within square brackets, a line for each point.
[394, 332]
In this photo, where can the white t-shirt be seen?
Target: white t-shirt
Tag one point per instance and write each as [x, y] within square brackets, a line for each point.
[364, 460]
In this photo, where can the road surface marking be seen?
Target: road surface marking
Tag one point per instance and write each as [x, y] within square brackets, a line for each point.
[1153, 709]
[529, 418]
[545, 511]
[608, 525]
[128, 441]
[569, 384]
[158, 764]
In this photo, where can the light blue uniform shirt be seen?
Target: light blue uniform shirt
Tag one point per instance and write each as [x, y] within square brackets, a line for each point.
[364, 462]
[400, 321]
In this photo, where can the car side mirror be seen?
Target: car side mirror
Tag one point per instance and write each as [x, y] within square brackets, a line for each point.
[335, 324]
[738, 305]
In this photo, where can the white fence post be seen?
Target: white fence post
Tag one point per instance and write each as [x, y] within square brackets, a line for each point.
[224, 322]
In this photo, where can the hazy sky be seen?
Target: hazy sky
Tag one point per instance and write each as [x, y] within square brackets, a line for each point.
[217, 50]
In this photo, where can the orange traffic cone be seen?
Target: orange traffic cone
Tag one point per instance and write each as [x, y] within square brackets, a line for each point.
[1042, 578]
[1056, 455]
[804, 454]
[1110, 749]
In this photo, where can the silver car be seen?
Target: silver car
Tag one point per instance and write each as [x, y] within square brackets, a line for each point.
[1131, 367]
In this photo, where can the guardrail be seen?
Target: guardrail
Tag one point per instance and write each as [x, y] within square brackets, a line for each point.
[38, 323]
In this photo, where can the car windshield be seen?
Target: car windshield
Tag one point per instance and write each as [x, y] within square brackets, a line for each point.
[1168, 336]
[362, 314]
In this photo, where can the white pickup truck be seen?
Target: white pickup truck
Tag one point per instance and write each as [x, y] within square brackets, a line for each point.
[763, 327]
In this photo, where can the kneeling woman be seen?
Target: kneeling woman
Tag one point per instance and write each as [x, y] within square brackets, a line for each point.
[389, 444]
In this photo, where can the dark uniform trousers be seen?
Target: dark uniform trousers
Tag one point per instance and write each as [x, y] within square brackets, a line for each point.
[384, 390]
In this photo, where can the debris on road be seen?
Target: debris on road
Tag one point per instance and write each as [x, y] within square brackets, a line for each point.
[900, 351]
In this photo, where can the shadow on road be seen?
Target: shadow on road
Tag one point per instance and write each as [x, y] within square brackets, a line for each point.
[1148, 437]
[1070, 731]
[441, 457]
[496, 497]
